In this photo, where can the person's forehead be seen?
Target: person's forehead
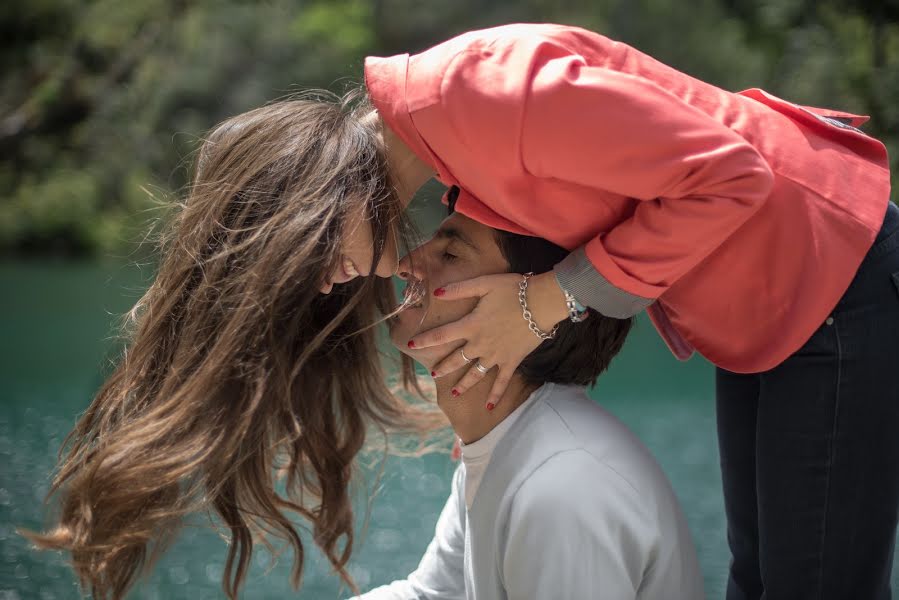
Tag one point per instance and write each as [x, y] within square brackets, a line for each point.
[469, 230]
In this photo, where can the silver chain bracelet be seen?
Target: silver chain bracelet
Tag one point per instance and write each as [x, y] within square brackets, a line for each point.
[522, 289]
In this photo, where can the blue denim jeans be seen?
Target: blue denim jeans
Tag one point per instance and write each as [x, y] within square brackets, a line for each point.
[810, 451]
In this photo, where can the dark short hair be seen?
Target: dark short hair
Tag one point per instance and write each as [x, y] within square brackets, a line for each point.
[580, 352]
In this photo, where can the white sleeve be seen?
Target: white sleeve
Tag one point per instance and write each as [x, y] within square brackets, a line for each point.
[575, 536]
[440, 574]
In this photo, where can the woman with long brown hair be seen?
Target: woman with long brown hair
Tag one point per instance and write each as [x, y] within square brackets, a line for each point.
[236, 364]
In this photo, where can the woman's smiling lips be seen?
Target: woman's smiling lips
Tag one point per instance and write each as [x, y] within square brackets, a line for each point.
[349, 267]
[348, 271]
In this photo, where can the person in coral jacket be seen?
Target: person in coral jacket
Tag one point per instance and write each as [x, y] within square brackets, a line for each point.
[754, 231]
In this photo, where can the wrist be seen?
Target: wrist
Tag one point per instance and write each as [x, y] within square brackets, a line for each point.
[546, 300]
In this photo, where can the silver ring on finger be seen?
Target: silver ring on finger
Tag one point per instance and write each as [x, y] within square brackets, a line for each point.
[465, 358]
[481, 368]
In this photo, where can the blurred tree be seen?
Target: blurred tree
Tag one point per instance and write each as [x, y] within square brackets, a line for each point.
[102, 102]
[835, 53]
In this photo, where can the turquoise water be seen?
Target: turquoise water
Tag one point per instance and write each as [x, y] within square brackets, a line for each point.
[54, 338]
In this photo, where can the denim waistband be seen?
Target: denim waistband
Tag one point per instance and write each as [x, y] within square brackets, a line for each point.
[888, 237]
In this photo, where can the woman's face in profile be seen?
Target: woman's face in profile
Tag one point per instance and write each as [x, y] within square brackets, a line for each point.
[357, 252]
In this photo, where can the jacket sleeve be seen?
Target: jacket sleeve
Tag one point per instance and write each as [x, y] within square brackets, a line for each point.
[439, 575]
[696, 180]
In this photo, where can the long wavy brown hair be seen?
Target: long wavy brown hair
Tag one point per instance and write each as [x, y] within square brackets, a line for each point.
[237, 372]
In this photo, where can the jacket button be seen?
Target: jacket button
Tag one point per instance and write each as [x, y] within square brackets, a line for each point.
[829, 321]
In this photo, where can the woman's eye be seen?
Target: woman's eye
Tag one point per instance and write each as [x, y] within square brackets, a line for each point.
[447, 257]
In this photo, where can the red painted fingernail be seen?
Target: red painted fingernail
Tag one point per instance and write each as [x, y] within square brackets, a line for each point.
[411, 344]
[439, 291]
[433, 374]
[491, 406]
[454, 392]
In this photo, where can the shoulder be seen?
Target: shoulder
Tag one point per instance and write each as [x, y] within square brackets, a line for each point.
[576, 480]
[590, 425]
[609, 449]
[574, 501]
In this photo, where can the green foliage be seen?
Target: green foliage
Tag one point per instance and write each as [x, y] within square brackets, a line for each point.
[102, 100]
[344, 27]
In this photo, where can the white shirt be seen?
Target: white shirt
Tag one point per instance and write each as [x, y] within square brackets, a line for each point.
[571, 505]
[476, 455]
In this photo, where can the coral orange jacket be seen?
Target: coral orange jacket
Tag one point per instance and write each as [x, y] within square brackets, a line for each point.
[737, 220]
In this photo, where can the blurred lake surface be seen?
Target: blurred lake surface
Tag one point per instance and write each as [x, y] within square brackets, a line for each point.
[55, 334]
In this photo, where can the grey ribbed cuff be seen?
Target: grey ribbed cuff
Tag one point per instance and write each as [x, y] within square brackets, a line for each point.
[578, 275]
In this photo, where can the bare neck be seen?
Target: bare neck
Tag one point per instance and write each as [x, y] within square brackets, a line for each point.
[408, 171]
[467, 413]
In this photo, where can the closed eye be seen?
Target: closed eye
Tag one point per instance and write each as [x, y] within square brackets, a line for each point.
[447, 257]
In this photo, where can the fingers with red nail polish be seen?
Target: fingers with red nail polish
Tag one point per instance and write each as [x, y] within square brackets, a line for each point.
[499, 386]
[476, 373]
[444, 334]
[454, 361]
